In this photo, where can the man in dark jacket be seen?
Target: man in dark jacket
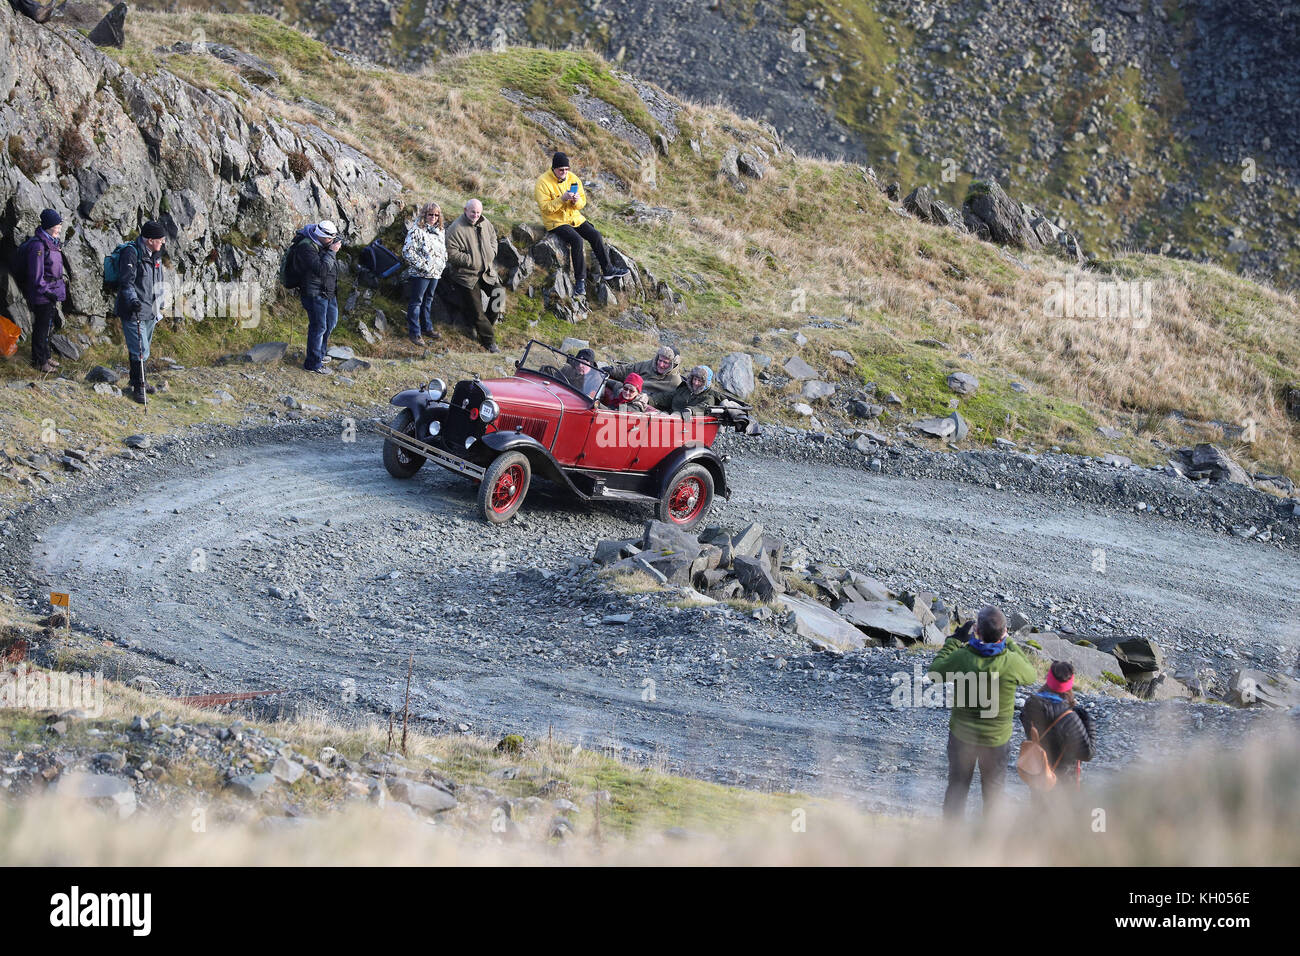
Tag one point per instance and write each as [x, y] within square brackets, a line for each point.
[694, 395]
[659, 373]
[471, 266]
[44, 286]
[313, 259]
[1060, 723]
[139, 297]
[582, 374]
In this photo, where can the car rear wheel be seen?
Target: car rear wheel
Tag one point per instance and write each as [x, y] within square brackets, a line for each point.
[400, 462]
[688, 498]
[504, 485]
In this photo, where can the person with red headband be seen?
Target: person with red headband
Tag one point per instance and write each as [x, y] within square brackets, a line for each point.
[1059, 723]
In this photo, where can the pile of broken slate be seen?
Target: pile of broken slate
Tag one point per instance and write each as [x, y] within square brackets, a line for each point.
[840, 610]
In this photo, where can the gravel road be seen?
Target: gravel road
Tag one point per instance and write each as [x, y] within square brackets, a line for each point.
[296, 561]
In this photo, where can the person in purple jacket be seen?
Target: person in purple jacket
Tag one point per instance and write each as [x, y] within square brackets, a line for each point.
[44, 286]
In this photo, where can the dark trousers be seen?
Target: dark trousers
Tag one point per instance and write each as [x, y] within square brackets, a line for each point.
[481, 313]
[419, 304]
[572, 237]
[322, 317]
[43, 317]
[962, 760]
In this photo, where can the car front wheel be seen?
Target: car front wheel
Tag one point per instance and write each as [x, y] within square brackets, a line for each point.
[504, 485]
[688, 498]
[400, 462]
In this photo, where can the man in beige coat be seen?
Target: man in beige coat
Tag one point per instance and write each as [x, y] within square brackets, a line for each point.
[471, 251]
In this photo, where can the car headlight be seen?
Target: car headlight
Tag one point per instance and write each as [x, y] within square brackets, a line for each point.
[469, 441]
[434, 428]
[489, 410]
[436, 388]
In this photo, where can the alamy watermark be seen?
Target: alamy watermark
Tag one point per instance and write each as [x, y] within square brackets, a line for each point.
[49, 690]
[974, 689]
[1086, 298]
[196, 301]
[650, 431]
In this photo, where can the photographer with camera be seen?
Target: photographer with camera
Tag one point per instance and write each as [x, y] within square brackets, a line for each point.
[314, 264]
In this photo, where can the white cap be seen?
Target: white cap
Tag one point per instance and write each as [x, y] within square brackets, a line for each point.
[326, 229]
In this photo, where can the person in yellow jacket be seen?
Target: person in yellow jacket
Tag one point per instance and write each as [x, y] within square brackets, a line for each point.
[560, 198]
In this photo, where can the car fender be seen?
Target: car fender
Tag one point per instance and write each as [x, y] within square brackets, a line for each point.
[694, 454]
[423, 407]
[541, 460]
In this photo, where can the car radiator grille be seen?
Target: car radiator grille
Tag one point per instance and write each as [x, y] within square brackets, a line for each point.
[456, 424]
[532, 427]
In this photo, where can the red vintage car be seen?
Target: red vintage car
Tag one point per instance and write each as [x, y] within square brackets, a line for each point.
[546, 420]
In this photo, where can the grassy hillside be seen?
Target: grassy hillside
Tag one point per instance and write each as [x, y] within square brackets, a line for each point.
[811, 239]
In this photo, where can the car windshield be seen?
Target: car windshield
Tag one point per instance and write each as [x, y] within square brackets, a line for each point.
[582, 377]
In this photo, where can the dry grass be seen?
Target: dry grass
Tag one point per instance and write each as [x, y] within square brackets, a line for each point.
[1206, 809]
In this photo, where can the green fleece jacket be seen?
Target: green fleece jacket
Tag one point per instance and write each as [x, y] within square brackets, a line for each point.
[984, 690]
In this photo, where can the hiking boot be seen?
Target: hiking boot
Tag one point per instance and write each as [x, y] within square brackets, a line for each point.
[494, 348]
[416, 339]
[138, 382]
[616, 272]
[580, 288]
[48, 368]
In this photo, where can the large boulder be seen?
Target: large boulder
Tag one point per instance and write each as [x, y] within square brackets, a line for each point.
[1276, 691]
[252, 68]
[110, 31]
[660, 536]
[936, 427]
[757, 578]
[1088, 662]
[884, 620]
[420, 795]
[736, 375]
[924, 205]
[105, 791]
[963, 383]
[1210, 461]
[821, 626]
[1003, 217]
[799, 370]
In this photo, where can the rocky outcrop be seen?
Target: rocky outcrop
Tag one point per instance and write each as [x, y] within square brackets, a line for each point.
[110, 149]
[1003, 218]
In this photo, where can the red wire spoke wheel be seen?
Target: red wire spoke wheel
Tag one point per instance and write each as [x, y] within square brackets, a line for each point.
[504, 486]
[688, 498]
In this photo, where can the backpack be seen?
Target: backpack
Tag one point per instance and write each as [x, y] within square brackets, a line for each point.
[289, 277]
[377, 262]
[113, 266]
[18, 263]
[1032, 763]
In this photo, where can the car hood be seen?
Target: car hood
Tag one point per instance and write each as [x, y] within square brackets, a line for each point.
[534, 391]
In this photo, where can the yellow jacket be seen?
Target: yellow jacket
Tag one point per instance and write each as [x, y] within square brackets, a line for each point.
[555, 211]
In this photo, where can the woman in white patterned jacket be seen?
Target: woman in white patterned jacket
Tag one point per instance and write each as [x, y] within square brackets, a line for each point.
[425, 252]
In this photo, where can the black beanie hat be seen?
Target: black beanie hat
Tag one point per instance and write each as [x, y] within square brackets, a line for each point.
[50, 218]
[559, 160]
[153, 229]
